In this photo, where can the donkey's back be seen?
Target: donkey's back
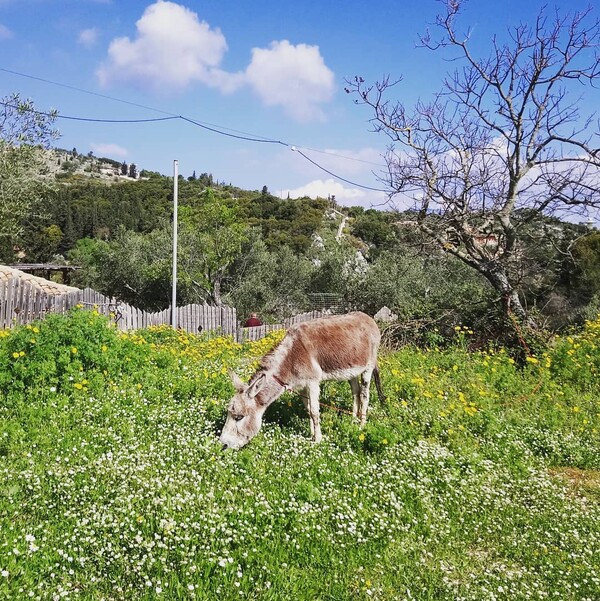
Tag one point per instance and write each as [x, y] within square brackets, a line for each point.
[332, 348]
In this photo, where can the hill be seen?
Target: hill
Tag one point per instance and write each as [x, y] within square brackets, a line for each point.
[261, 252]
[70, 165]
[94, 197]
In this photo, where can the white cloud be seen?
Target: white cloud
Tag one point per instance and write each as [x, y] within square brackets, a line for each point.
[172, 49]
[88, 37]
[5, 33]
[293, 77]
[110, 151]
[330, 187]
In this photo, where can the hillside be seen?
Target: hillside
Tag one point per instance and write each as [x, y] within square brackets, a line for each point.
[93, 200]
[70, 165]
[256, 251]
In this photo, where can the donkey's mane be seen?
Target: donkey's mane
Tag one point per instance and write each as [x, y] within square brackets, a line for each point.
[266, 363]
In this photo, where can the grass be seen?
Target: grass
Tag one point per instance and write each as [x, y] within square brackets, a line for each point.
[478, 479]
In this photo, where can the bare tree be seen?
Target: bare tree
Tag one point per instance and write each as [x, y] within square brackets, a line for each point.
[502, 144]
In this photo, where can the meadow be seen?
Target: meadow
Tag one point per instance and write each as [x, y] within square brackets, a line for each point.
[478, 479]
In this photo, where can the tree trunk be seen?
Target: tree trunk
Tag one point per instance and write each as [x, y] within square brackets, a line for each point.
[511, 303]
[216, 293]
[513, 306]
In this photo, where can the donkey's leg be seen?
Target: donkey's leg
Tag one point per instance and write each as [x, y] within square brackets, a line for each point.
[365, 382]
[355, 385]
[313, 410]
[304, 395]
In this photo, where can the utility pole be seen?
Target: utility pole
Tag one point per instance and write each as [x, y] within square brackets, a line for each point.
[174, 293]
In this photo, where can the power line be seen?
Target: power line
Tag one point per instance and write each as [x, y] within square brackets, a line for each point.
[115, 99]
[335, 175]
[151, 120]
[342, 156]
[220, 130]
[239, 137]
[90, 120]
[83, 91]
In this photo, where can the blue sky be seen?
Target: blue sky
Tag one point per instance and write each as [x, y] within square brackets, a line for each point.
[273, 69]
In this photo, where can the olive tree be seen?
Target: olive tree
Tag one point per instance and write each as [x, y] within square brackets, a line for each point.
[24, 132]
[211, 240]
[273, 283]
[503, 142]
[135, 268]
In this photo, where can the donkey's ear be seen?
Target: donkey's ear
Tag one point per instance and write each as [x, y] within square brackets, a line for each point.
[256, 386]
[238, 383]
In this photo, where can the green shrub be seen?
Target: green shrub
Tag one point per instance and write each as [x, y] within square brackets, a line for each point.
[69, 352]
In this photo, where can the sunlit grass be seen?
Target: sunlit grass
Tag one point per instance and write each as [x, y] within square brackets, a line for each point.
[478, 479]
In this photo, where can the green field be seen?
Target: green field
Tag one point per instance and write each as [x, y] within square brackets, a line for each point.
[478, 479]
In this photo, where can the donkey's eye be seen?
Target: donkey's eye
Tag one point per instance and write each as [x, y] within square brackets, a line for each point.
[237, 418]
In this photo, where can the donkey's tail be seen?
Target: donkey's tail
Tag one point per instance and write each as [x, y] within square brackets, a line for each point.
[377, 379]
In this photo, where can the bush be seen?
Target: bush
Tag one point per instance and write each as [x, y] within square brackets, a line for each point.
[67, 351]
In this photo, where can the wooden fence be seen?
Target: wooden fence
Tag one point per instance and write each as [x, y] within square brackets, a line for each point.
[21, 303]
[258, 332]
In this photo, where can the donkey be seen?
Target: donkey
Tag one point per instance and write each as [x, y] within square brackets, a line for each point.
[331, 348]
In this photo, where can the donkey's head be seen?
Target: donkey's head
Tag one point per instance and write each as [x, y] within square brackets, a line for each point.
[244, 414]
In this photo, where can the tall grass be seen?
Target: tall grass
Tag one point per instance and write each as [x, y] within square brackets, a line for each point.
[477, 479]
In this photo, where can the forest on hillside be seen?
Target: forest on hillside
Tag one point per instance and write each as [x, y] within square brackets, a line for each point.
[276, 256]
